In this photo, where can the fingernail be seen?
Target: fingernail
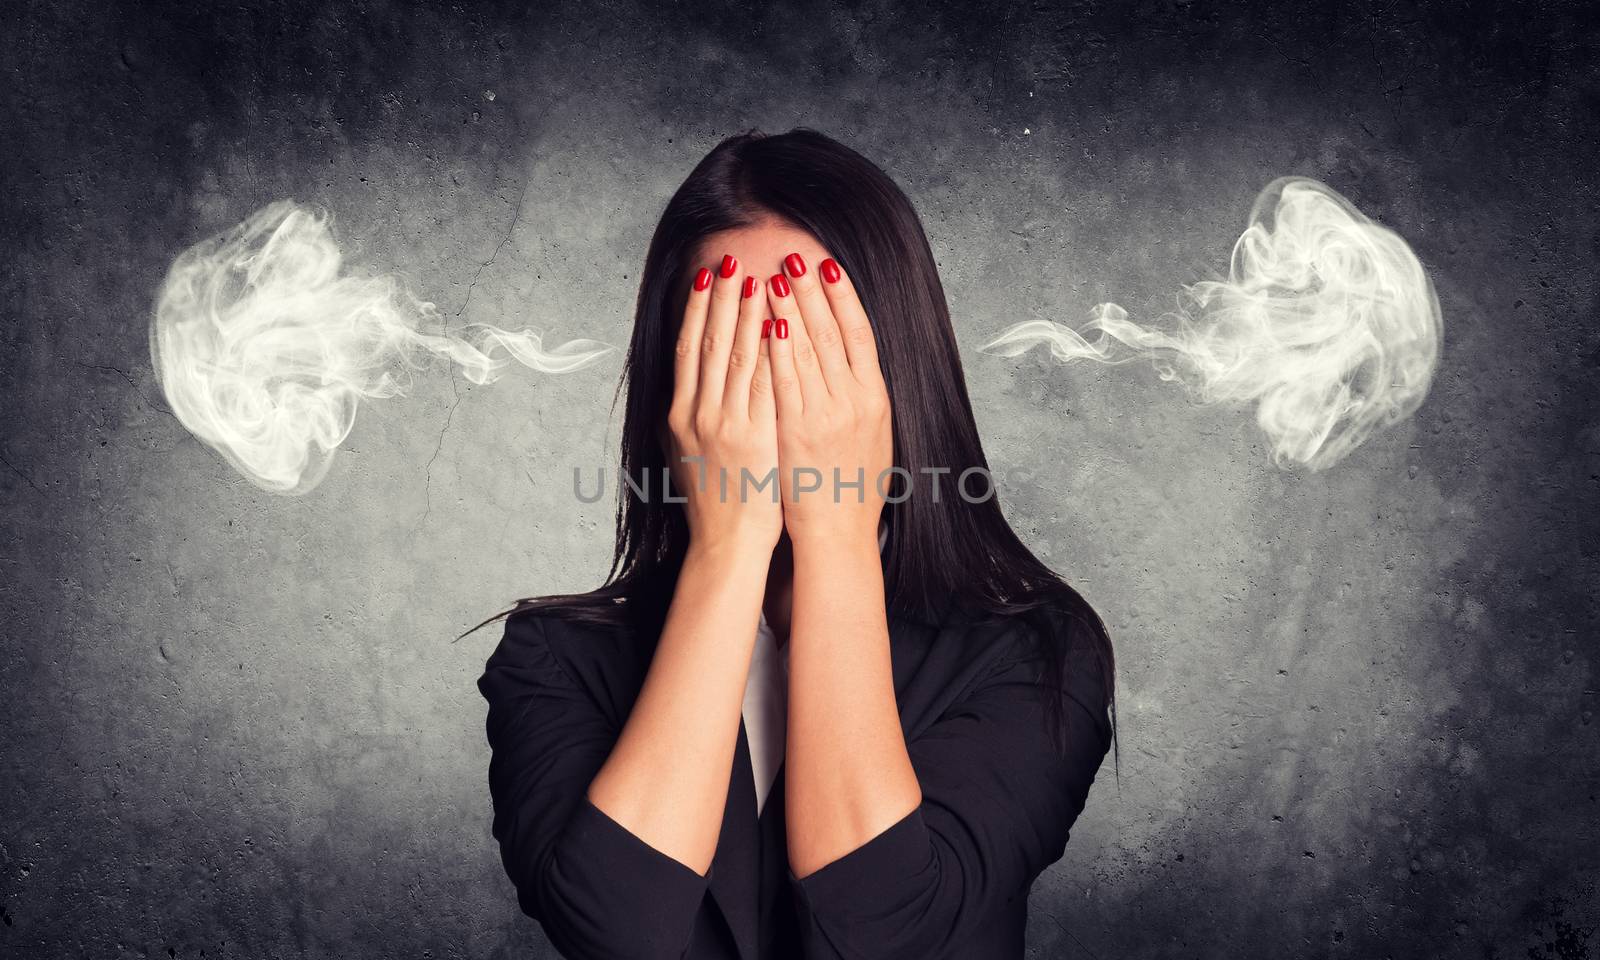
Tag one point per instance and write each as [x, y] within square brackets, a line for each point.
[766, 328]
[795, 265]
[830, 271]
[702, 279]
[729, 264]
[780, 286]
[781, 327]
[749, 287]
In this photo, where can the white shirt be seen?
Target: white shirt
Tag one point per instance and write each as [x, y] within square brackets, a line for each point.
[766, 702]
[766, 708]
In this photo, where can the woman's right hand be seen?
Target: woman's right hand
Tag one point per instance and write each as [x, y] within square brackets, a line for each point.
[722, 417]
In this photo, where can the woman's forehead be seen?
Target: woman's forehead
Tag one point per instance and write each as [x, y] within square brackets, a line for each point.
[760, 247]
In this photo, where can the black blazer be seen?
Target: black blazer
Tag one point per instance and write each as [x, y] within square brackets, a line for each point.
[951, 879]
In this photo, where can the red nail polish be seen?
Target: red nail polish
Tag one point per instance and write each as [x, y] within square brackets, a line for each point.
[729, 264]
[766, 328]
[830, 271]
[781, 328]
[795, 265]
[749, 287]
[780, 286]
[702, 279]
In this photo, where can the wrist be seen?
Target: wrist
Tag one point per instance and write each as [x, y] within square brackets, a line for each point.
[839, 575]
[739, 550]
[832, 541]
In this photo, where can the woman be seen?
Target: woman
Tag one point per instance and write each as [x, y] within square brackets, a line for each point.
[854, 722]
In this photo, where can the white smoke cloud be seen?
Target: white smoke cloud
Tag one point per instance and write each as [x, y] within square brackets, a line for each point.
[264, 349]
[1327, 322]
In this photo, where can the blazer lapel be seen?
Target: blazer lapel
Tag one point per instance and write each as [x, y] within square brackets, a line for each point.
[777, 928]
[735, 879]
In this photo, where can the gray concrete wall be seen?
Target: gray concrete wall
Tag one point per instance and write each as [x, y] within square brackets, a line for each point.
[1357, 706]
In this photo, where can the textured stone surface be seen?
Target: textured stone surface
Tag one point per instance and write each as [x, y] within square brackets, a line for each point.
[1357, 706]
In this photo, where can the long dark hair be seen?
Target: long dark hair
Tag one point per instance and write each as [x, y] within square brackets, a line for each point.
[955, 558]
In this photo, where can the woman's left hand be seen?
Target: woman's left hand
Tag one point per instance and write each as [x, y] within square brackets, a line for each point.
[835, 438]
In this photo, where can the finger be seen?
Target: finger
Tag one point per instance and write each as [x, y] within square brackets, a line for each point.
[788, 399]
[817, 316]
[718, 339]
[802, 355]
[855, 329]
[686, 365]
[746, 346]
[762, 406]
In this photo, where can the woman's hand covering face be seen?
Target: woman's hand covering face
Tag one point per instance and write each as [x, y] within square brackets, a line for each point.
[833, 416]
[722, 415]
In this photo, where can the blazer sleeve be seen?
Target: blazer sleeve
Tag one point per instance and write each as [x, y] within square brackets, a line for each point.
[597, 888]
[998, 802]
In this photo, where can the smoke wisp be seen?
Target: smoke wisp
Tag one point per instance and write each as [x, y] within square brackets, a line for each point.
[1327, 322]
[265, 346]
